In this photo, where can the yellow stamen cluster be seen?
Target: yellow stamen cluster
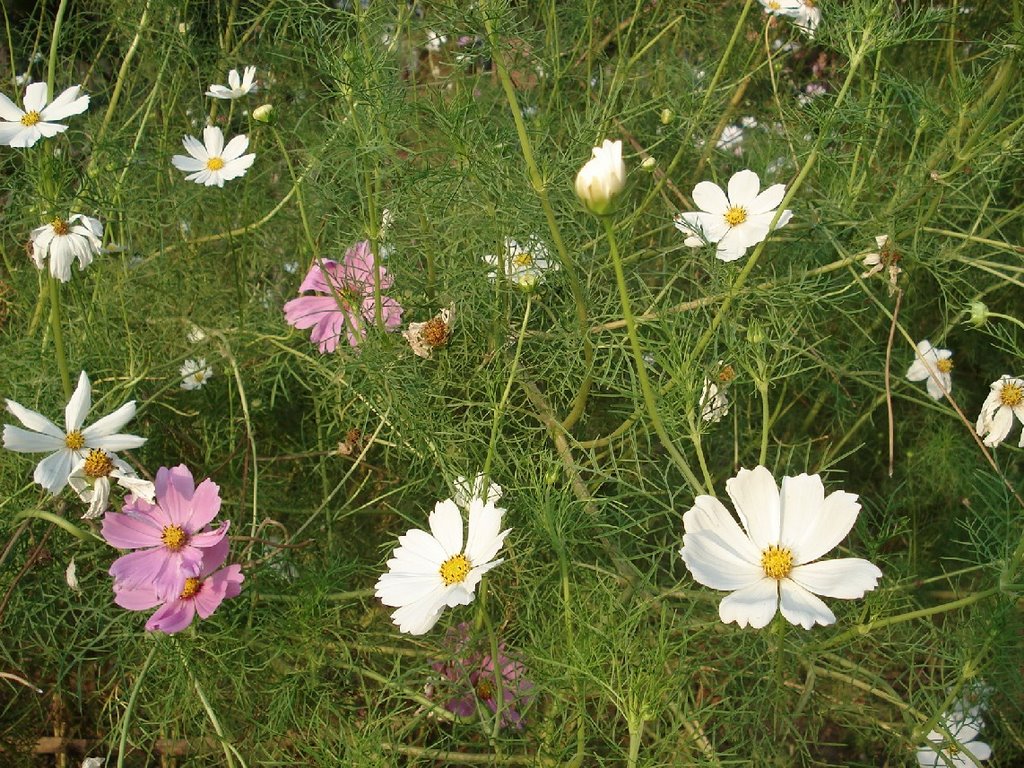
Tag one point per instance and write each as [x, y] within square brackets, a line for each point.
[74, 440]
[945, 365]
[484, 690]
[435, 332]
[1011, 395]
[777, 562]
[174, 537]
[31, 118]
[215, 163]
[98, 464]
[735, 216]
[523, 259]
[455, 569]
[59, 226]
[192, 587]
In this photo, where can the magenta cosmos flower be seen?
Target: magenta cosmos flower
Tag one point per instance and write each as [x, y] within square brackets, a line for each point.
[344, 299]
[474, 679]
[169, 535]
[202, 593]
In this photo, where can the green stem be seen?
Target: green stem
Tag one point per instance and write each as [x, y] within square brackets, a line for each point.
[766, 419]
[121, 75]
[122, 747]
[51, 67]
[296, 185]
[500, 410]
[58, 336]
[650, 401]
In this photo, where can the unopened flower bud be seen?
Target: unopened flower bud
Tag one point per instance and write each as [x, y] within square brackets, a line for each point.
[263, 113]
[648, 163]
[602, 178]
[979, 313]
[666, 116]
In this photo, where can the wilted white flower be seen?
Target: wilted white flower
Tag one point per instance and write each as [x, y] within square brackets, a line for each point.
[424, 338]
[602, 178]
[195, 334]
[1005, 400]
[91, 477]
[435, 41]
[713, 402]
[236, 87]
[523, 263]
[885, 258]
[69, 446]
[24, 127]
[211, 163]
[195, 373]
[735, 221]
[431, 571]
[71, 576]
[64, 240]
[769, 563]
[934, 365]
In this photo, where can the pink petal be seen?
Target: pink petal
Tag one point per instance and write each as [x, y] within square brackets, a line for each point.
[205, 504]
[172, 617]
[131, 531]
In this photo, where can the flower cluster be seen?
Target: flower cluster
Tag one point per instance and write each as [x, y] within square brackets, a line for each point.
[177, 557]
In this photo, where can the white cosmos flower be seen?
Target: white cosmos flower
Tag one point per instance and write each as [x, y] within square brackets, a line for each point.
[934, 365]
[91, 477]
[64, 240]
[602, 178]
[735, 221]
[195, 373]
[429, 572]
[211, 163]
[465, 490]
[24, 127]
[236, 87]
[953, 743]
[769, 563]
[1005, 400]
[524, 264]
[70, 445]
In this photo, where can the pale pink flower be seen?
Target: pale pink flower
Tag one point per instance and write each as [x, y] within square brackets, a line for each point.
[202, 593]
[344, 302]
[170, 536]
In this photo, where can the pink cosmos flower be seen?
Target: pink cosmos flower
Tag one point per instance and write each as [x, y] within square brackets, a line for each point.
[169, 535]
[343, 300]
[202, 593]
[473, 679]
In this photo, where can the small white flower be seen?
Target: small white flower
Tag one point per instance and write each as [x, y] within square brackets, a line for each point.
[781, 7]
[934, 365]
[69, 445]
[953, 744]
[429, 572]
[1005, 400]
[23, 79]
[196, 335]
[94, 762]
[602, 178]
[731, 139]
[435, 41]
[71, 576]
[768, 564]
[804, 13]
[211, 163]
[885, 258]
[236, 87]
[195, 373]
[91, 477]
[465, 490]
[713, 402]
[736, 221]
[424, 338]
[24, 127]
[523, 263]
[64, 240]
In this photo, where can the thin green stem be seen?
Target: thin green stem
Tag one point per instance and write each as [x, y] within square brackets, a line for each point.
[51, 66]
[766, 419]
[126, 718]
[500, 410]
[122, 73]
[297, 186]
[58, 336]
[650, 400]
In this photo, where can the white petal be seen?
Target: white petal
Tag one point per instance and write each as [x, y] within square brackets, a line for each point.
[713, 560]
[755, 605]
[756, 498]
[446, 525]
[195, 148]
[710, 198]
[801, 607]
[825, 527]
[22, 441]
[187, 164]
[846, 578]
[418, 553]
[213, 138]
[483, 540]
[398, 589]
[78, 406]
[111, 423]
[709, 514]
[768, 200]
[35, 421]
[65, 105]
[235, 148]
[419, 618]
[10, 111]
[52, 472]
[35, 97]
[743, 188]
[731, 246]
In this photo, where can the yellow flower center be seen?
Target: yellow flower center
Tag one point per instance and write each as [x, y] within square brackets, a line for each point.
[777, 562]
[30, 118]
[214, 164]
[523, 259]
[198, 376]
[192, 587]
[174, 537]
[945, 365]
[455, 569]
[735, 216]
[98, 464]
[774, 5]
[484, 689]
[435, 332]
[74, 440]
[1011, 394]
[59, 226]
